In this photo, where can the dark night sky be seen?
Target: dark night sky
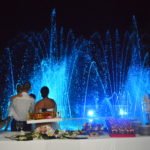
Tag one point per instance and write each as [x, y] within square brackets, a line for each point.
[84, 17]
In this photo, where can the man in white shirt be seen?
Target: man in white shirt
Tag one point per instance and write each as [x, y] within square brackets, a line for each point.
[20, 107]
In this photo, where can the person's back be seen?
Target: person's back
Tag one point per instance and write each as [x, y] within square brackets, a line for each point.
[22, 105]
[45, 103]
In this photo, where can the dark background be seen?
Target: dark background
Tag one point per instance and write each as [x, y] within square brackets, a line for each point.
[84, 17]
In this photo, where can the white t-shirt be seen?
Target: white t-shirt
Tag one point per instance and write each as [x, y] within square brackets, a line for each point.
[21, 106]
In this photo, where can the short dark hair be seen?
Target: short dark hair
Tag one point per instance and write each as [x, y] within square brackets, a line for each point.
[26, 86]
[44, 91]
[33, 95]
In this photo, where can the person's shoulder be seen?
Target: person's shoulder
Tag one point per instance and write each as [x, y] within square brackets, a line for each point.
[27, 96]
[17, 98]
[16, 101]
[51, 100]
[39, 102]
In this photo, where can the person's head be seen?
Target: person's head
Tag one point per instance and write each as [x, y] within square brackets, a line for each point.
[26, 87]
[19, 88]
[33, 96]
[44, 91]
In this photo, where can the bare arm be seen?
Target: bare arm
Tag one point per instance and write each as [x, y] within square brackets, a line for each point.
[13, 97]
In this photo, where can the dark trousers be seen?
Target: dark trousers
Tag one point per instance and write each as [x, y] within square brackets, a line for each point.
[25, 126]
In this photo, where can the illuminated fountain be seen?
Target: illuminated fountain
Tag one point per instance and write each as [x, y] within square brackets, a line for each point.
[107, 76]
